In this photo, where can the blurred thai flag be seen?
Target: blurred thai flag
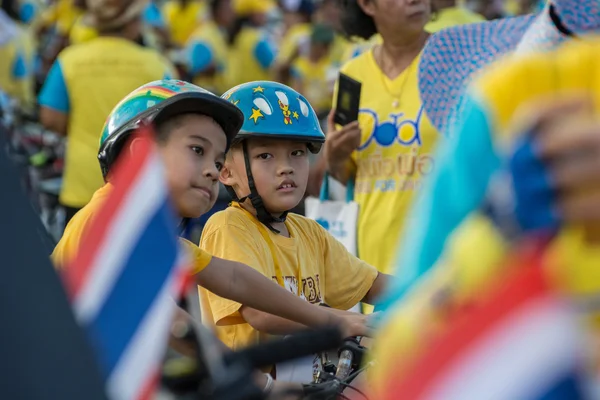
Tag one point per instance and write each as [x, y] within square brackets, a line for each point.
[128, 269]
[523, 342]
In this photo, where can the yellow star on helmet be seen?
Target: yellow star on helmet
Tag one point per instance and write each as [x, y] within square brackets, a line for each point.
[235, 102]
[258, 89]
[256, 114]
[295, 114]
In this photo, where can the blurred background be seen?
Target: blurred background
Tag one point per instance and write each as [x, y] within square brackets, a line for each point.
[216, 44]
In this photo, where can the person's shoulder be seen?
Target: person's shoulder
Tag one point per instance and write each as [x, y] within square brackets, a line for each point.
[358, 67]
[306, 227]
[71, 238]
[231, 217]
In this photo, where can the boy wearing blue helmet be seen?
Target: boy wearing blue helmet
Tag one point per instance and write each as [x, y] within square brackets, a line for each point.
[266, 171]
[194, 128]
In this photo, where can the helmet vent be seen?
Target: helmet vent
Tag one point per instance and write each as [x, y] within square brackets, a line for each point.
[263, 105]
[303, 108]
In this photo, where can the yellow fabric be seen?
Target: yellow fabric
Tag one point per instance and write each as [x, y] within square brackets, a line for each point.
[98, 74]
[22, 88]
[510, 86]
[67, 247]
[244, 67]
[62, 15]
[211, 35]
[314, 82]
[453, 16]
[244, 8]
[81, 32]
[388, 176]
[182, 22]
[200, 258]
[310, 255]
[295, 37]
[358, 46]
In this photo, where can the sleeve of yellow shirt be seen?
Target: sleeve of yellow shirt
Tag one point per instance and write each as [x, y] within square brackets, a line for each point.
[224, 239]
[200, 258]
[347, 278]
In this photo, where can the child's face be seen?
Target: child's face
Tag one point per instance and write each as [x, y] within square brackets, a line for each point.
[193, 154]
[280, 171]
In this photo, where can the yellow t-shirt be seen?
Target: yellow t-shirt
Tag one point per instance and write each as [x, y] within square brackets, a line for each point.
[326, 271]
[453, 16]
[97, 75]
[67, 247]
[395, 155]
[510, 86]
[313, 77]
[211, 36]
[183, 21]
[81, 32]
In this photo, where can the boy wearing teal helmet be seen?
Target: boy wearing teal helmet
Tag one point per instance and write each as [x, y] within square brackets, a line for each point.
[194, 129]
[266, 171]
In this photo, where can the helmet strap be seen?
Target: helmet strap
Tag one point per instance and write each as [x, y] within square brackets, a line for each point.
[263, 215]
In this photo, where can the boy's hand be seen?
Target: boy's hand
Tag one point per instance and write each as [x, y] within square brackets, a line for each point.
[354, 324]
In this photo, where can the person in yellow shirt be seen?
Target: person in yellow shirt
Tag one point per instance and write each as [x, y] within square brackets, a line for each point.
[310, 73]
[545, 111]
[16, 59]
[208, 49]
[252, 50]
[193, 130]
[448, 13]
[389, 150]
[85, 82]
[447, 103]
[266, 172]
[182, 18]
[296, 37]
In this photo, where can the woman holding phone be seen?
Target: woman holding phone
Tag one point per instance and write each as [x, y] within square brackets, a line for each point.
[388, 151]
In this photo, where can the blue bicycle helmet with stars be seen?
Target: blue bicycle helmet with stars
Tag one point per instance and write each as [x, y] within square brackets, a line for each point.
[276, 111]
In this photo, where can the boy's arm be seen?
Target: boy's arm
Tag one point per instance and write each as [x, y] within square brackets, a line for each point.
[268, 323]
[240, 283]
[377, 288]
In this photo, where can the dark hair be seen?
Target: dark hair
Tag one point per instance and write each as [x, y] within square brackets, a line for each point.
[11, 8]
[355, 22]
[214, 6]
[239, 23]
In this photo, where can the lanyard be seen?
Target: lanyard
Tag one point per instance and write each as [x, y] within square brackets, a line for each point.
[265, 234]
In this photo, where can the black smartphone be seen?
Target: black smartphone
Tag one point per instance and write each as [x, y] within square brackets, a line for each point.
[348, 100]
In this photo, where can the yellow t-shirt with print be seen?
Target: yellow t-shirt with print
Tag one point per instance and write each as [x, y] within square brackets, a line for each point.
[453, 16]
[513, 85]
[67, 247]
[97, 75]
[211, 35]
[183, 21]
[311, 264]
[393, 159]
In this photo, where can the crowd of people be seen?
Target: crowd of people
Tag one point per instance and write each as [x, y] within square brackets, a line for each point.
[477, 128]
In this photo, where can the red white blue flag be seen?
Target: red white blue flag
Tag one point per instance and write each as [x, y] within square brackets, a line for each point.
[128, 270]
